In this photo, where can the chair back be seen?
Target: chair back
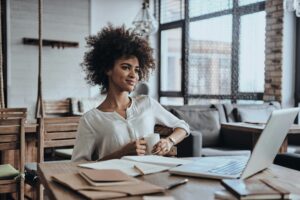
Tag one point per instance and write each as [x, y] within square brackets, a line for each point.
[56, 132]
[57, 108]
[12, 137]
[12, 131]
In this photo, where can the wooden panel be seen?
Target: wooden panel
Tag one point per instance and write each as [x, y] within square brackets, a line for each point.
[8, 138]
[8, 146]
[59, 143]
[59, 120]
[60, 127]
[59, 107]
[60, 135]
[9, 121]
[9, 129]
[18, 110]
[8, 188]
[6, 182]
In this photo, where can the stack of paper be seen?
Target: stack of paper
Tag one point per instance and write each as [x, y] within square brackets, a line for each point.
[104, 184]
[126, 166]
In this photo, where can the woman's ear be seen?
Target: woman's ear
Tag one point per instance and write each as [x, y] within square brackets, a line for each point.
[109, 72]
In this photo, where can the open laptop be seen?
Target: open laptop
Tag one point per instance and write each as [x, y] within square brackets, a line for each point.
[242, 167]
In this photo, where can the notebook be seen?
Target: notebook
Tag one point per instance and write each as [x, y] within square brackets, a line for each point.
[242, 167]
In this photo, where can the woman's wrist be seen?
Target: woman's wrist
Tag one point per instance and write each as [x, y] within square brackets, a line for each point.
[172, 140]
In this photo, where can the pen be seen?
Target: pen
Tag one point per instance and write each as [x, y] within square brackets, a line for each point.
[177, 184]
[139, 169]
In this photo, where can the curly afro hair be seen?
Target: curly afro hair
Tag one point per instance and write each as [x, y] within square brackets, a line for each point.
[111, 44]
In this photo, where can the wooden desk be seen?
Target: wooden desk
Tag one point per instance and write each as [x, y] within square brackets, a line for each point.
[196, 188]
[255, 131]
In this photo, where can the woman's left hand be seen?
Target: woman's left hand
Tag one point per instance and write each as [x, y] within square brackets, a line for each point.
[162, 147]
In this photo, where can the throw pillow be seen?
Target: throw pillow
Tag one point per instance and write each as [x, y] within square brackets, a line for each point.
[205, 121]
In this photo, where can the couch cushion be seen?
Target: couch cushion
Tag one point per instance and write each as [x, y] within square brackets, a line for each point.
[246, 112]
[260, 115]
[205, 121]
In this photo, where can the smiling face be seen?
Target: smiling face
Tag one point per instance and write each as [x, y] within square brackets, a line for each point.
[124, 75]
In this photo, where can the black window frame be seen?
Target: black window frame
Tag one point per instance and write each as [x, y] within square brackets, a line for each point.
[237, 12]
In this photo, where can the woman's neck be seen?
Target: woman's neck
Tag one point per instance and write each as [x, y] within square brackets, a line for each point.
[115, 101]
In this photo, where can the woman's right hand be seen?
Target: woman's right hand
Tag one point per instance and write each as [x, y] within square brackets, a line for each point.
[137, 147]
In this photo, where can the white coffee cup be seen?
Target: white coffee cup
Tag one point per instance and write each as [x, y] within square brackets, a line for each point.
[151, 140]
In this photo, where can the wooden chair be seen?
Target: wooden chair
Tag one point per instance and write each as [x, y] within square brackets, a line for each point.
[54, 132]
[12, 137]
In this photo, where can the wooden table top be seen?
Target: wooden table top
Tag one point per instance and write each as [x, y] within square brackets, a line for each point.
[255, 127]
[196, 188]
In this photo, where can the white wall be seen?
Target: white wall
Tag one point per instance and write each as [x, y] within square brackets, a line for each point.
[288, 62]
[120, 12]
[62, 75]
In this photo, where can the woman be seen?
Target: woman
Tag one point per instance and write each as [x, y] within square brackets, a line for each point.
[117, 59]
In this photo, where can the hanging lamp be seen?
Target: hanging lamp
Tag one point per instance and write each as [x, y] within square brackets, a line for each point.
[145, 23]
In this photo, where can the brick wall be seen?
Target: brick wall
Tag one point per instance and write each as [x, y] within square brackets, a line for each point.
[273, 50]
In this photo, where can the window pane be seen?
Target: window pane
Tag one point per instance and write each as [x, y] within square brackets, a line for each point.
[201, 7]
[197, 101]
[171, 10]
[175, 101]
[210, 56]
[170, 75]
[252, 52]
[245, 2]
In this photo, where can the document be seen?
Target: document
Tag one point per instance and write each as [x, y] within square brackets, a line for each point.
[131, 168]
[158, 160]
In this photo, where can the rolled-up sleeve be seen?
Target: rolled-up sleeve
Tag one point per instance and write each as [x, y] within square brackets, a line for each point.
[164, 117]
[85, 142]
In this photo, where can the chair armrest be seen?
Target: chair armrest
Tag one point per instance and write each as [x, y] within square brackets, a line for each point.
[197, 143]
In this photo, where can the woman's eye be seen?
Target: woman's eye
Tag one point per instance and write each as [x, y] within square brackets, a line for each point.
[125, 67]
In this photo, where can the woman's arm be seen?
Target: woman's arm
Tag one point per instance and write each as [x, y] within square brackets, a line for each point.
[137, 147]
[165, 144]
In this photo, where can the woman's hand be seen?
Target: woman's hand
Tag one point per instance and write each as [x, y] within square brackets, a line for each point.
[162, 147]
[137, 147]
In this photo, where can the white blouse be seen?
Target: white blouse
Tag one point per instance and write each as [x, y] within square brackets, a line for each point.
[102, 133]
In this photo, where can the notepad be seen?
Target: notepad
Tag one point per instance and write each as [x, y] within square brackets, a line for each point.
[255, 189]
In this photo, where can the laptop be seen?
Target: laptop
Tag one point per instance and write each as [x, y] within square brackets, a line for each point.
[243, 167]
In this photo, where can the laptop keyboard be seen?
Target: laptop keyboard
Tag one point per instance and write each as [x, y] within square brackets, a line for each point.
[231, 168]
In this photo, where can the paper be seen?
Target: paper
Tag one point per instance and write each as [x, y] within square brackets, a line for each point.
[105, 175]
[158, 198]
[126, 166]
[158, 160]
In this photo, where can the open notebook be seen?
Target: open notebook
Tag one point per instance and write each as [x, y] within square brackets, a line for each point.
[138, 165]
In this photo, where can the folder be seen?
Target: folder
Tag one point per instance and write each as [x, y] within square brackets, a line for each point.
[75, 182]
[106, 177]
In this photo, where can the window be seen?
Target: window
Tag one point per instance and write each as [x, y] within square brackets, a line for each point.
[214, 54]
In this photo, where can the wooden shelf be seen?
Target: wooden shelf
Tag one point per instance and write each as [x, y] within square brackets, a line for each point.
[52, 43]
